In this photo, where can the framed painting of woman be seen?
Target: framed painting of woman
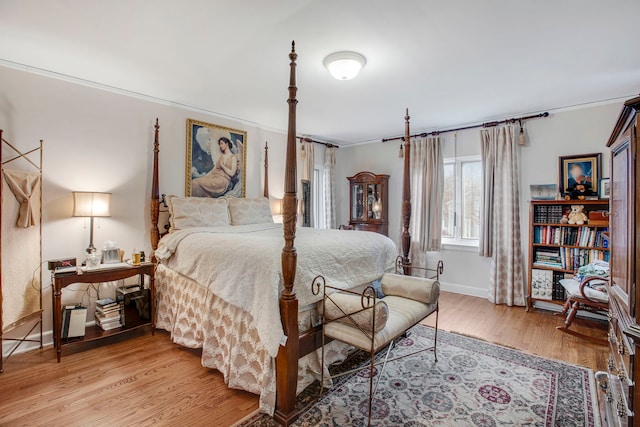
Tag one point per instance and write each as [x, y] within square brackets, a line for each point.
[216, 160]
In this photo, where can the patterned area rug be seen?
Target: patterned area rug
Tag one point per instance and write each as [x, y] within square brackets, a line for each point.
[474, 383]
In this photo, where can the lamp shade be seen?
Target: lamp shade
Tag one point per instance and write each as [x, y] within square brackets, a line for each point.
[344, 65]
[91, 204]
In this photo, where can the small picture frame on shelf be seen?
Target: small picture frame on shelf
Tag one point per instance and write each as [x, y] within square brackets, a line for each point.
[605, 188]
[578, 175]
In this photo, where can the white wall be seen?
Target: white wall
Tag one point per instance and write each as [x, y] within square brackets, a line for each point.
[577, 131]
[96, 140]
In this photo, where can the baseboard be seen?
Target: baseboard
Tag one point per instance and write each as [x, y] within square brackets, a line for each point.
[463, 289]
[47, 340]
[482, 293]
[558, 308]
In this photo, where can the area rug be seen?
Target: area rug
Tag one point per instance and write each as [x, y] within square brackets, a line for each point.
[474, 383]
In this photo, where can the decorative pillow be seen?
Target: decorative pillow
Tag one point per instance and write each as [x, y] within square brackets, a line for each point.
[249, 211]
[426, 291]
[189, 212]
[351, 304]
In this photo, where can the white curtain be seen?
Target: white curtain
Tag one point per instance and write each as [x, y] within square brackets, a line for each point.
[500, 221]
[307, 173]
[427, 184]
[329, 178]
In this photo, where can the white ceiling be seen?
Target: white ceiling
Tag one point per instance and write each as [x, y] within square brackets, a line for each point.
[450, 62]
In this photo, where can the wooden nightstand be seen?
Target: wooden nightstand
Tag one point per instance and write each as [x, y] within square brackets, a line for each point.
[60, 280]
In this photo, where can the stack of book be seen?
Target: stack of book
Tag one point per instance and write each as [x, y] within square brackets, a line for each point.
[547, 257]
[108, 314]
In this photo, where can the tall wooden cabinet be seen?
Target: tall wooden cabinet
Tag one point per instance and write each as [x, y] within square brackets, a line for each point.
[369, 202]
[621, 399]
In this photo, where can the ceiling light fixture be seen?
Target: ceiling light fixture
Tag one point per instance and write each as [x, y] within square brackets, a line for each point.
[344, 65]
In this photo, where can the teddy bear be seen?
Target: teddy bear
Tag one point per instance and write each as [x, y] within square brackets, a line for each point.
[578, 192]
[577, 216]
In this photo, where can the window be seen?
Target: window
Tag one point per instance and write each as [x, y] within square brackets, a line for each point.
[461, 201]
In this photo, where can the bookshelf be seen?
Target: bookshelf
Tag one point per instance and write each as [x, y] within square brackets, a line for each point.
[557, 250]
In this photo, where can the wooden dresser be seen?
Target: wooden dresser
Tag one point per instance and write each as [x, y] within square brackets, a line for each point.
[620, 398]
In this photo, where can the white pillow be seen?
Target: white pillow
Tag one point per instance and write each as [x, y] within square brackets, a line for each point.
[189, 212]
[249, 211]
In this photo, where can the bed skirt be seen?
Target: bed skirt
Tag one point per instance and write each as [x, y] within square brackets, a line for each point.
[195, 318]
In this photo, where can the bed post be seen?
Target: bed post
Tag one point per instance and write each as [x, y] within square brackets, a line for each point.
[155, 196]
[406, 199]
[287, 360]
[266, 169]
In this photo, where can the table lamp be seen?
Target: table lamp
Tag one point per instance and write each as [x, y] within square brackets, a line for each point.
[89, 204]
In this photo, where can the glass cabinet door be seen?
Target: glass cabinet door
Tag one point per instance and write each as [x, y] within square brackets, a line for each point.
[375, 201]
[357, 200]
[371, 198]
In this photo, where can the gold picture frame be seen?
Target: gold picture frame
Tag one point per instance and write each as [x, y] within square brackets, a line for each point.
[216, 160]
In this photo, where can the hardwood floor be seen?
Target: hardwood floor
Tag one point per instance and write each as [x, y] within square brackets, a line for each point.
[147, 380]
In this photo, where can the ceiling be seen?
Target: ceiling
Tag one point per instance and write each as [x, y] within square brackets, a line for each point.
[449, 62]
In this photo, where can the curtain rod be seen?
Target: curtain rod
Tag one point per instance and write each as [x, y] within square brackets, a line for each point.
[483, 125]
[306, 139]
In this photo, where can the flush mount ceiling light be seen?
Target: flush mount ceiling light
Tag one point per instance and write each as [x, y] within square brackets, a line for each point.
[344, 65]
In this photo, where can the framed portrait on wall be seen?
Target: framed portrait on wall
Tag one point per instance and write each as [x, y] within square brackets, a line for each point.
[216, 160]
[579, 175]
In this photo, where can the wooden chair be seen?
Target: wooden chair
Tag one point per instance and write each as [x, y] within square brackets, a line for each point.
[582, 297]
[370, 323]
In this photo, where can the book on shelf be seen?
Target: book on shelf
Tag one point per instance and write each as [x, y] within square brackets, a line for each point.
[545, 285]
[128, 290]
[558, 289]
[108, 314]
[104, 320]
[73, 321]
[109, 326]
[571, 236]
[548, 213]
[542, 284]
[105, 301]
[108, 323]
[115, 309]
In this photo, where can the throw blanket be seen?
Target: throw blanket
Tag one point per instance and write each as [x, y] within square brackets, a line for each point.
[242, 265]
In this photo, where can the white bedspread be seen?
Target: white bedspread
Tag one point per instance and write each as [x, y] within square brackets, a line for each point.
[242, 265]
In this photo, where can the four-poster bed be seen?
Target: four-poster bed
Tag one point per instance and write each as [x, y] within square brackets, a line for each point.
[352, 259]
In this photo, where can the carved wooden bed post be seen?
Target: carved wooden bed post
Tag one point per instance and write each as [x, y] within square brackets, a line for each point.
[406, 199]
[155, 196]
[287, 360]
[266, 169]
